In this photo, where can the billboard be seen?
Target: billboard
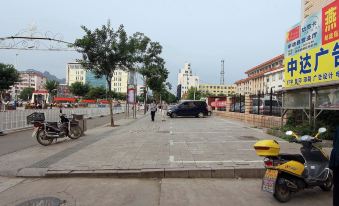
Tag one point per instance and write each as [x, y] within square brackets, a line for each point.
[312, 49]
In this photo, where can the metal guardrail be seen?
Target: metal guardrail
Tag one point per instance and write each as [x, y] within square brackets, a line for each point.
[16, 119]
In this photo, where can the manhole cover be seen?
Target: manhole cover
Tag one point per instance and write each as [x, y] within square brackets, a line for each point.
[43, 201]
[248, 138]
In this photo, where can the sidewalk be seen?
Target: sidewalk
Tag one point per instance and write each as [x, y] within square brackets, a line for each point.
[180, 147]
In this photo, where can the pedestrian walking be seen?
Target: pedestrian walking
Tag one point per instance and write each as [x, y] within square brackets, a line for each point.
[164, 108]
[153, 108]
[334, 166]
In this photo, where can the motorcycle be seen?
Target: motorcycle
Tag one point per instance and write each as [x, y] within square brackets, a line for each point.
[289, 173]
[46, 132]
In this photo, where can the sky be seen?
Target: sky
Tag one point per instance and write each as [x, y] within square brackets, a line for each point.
[243, 33]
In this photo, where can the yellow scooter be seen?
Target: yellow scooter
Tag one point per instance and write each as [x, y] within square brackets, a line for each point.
[290, 173]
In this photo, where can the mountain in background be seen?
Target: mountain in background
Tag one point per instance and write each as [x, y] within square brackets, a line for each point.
[53, 77]
[49, 76]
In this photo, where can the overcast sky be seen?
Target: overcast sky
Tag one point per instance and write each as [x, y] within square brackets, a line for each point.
[242, 32]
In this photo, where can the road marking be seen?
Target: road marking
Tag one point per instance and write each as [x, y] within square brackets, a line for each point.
[218, 142]
[171, 159]
[171, 142]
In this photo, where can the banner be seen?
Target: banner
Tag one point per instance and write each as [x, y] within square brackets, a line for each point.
[312, 49]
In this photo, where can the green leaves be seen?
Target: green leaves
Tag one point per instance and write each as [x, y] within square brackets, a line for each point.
[51, 86]
[8, 76]
[26, 93]
[79, 89]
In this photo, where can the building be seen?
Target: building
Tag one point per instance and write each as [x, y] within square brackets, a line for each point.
[29, 78]
[309, 7]
[186, 79]
[119, 81]
[179, 92]
[140, 90]
[274, 80]
[64, 91]
[256, 80]
[93, 81]
[216, 89]
[76, 73]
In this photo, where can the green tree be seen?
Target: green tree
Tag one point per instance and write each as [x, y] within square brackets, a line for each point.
[96, 93]
[194, 94]
[79, 89]
[52, 87]
[26, 93]
[105, 50]
[8, 77]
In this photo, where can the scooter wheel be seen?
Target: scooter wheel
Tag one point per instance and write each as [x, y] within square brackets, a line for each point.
[282, 193]
[327, 186]
[75, 132]
[42, 138]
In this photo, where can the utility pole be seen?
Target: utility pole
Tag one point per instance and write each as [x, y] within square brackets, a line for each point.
[222, 73]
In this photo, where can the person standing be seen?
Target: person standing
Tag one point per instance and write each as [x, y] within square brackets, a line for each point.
[334, 166]
[153, 108]
[164, 108]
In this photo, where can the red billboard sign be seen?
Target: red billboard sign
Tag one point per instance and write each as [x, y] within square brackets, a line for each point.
[330, 23]
[293, 34]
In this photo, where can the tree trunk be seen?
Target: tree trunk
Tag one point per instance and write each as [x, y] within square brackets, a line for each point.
[109, 81]
[145, 95]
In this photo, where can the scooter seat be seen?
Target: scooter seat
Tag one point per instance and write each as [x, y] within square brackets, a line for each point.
[295, 157]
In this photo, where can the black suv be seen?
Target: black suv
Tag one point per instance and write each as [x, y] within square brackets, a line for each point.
[189, 108]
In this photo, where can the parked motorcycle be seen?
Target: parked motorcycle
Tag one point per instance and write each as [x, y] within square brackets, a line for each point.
[46, 132]
[290, 173]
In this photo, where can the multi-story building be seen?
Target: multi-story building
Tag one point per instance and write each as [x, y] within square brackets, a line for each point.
[309, 7]
[29, 78]
[216, 89]
[76, 73]
[119, 81]
[255, 81]
[274, 80]
[186, 79]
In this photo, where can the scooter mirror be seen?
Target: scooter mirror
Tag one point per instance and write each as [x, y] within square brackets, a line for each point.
[322, 130]
[289, 133]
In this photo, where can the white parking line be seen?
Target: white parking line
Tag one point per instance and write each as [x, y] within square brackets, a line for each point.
[218, 142]
[171, 159]
[246, 149]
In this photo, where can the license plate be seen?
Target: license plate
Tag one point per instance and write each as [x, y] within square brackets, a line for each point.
[268, 182]
[35, 131]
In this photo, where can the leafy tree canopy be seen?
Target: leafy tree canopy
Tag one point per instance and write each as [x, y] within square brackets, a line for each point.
[51, 86]
[79, 89]
[26, 93]
[8, 77]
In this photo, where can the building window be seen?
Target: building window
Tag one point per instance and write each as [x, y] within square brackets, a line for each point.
[280, 76]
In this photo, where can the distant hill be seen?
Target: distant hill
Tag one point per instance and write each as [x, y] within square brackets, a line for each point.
[53, 77]
[49, 76]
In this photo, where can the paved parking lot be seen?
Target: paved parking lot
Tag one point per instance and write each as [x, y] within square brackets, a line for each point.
[149, 192]
[176, 144]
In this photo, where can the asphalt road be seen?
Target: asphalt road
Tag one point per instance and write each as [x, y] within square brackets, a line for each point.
[23, 139]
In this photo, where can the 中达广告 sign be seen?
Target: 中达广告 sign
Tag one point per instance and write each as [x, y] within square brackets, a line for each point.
[312, 49]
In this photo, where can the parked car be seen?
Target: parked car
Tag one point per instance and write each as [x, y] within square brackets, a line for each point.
[264, 106]
[236, 107]
[189, 108]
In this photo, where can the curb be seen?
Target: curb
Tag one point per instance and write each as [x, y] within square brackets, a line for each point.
[158, 173]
